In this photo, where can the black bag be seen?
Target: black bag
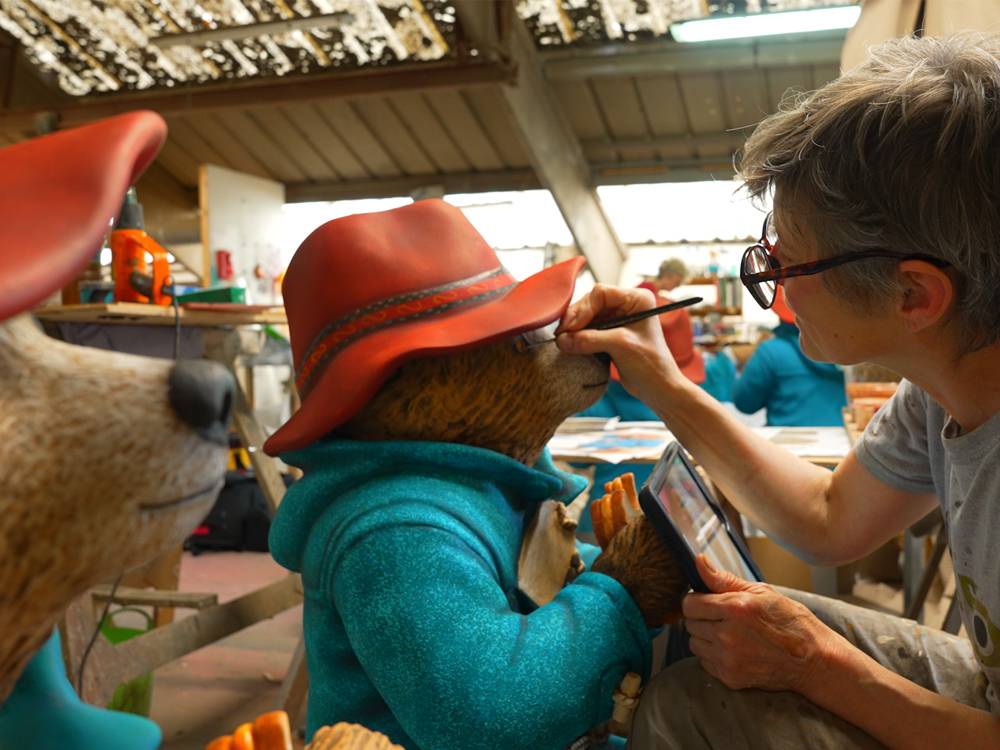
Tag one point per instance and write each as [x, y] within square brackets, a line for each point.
[239, 520]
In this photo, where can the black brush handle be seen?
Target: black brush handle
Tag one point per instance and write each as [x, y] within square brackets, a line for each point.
[634, 317]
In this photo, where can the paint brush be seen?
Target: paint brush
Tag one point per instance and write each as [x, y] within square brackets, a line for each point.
[527, 343]
[635, 317]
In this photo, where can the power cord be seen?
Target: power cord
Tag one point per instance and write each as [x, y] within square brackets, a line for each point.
[93, 637]
[177, 321]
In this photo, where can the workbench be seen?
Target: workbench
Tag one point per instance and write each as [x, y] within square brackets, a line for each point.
[586, 441]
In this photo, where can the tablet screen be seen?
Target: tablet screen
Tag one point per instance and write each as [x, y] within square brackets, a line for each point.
[696, 520]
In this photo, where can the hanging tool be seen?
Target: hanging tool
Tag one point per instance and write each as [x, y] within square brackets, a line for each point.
[140, 265]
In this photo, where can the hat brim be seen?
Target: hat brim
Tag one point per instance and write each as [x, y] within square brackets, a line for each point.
[346, 384]
[57, 195]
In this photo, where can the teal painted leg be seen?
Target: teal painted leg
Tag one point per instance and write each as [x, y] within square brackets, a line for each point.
[44, 713]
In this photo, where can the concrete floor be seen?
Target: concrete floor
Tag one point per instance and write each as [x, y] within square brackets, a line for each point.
[209, 692]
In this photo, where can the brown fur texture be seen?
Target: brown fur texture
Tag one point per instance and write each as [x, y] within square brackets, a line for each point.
[491, 397]
[638, 559]
[512, 402]
[99, 475]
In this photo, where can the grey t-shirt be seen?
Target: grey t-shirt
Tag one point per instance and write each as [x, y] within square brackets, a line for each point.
[914, 445]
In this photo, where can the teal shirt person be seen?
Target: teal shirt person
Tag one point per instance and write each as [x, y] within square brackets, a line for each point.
[413, 621]
[795, 390]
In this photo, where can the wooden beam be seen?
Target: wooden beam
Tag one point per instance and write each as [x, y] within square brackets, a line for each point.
[667, 170]
[667, 56]
[295, 686]
[485, 25]
[154, 597]
[552, 147]
[113, 665]
[601, 173]
[558, 159]
[731, 140]
[392, 187]
[271, 91]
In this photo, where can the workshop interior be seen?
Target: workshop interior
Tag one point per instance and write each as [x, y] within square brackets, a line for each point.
[329, 338]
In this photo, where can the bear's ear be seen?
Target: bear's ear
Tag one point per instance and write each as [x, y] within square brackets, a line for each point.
[59, 193]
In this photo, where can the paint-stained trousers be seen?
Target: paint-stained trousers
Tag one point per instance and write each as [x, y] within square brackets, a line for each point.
[683, 708]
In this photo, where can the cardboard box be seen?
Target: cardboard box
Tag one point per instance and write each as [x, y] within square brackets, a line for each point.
[782, 568]
[779, 566]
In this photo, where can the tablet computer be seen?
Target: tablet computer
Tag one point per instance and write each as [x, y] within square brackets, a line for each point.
[690, 522]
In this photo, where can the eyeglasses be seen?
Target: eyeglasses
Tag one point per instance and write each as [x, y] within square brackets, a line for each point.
[530, 339]
[761, 272]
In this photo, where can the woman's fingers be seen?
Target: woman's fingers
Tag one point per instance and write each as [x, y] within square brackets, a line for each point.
[591, 341]
[704, 629]
[604, 302]
[705, 607]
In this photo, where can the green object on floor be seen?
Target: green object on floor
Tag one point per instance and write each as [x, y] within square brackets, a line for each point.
[134, 696]
[232, 294]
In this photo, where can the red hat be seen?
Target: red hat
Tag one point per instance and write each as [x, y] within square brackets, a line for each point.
[780, 308]
[58, 194]
[367, 292]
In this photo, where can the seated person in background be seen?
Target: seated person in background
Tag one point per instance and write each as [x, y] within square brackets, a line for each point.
[779, 377]
[714, 372]
[676, 325]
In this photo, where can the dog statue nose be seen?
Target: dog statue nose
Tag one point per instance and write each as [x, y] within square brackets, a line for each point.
[201, 393]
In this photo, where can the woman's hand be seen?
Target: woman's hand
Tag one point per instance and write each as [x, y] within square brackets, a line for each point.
[639, 350]
[749, 636]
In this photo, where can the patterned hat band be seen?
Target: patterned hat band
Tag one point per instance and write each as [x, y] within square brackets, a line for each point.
[393, 311]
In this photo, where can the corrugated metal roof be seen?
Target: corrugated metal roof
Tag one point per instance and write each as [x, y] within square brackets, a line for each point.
[95, 46]
[643, 111]
[567, 22]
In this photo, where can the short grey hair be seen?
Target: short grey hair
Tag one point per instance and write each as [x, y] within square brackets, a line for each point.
[674, 267]
[903, 154]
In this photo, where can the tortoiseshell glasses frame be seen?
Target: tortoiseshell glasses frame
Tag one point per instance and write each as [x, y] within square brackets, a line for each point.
[761, 272]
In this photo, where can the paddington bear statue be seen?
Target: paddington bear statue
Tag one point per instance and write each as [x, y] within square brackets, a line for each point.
[422, 437]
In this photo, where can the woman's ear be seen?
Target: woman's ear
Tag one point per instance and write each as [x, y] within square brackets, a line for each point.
[928, 292]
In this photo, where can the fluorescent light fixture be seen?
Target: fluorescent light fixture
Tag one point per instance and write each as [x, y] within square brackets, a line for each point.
[766, 24]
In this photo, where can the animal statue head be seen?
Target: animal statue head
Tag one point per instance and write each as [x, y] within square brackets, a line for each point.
[107, 459]
[423, 338]
[499, 396]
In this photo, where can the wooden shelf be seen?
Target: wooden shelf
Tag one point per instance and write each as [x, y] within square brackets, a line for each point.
[715, 309]
[136, 313]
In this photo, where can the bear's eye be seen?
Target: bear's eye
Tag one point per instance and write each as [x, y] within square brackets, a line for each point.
[536, 337]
